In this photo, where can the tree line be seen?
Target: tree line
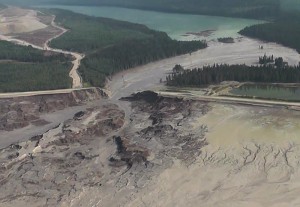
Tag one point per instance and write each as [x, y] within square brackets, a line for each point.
[216, 73]
[19, 77]
[10, 51]
[284, 30]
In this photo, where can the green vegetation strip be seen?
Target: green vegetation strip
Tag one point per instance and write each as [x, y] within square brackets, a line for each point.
[28, 69]
[111, 46]
[217, 73]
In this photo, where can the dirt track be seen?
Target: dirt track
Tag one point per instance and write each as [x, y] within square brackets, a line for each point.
[77, 81]
[233, 100]
[31, 17]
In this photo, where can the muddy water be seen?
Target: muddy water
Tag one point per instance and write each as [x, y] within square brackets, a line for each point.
[232, 125]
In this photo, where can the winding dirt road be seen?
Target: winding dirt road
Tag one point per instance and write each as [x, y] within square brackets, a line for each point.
[77, 81]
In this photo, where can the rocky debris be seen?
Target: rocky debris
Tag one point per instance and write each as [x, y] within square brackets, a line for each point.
[78, 115]
[36, 138]
[79, 155]
[119, 143]
[128, 155]
[148, 96]
[95, 151]
[168, 120]
[20, 112]
[57, 165]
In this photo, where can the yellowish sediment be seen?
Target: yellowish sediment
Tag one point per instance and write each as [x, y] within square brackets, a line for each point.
[231, 125]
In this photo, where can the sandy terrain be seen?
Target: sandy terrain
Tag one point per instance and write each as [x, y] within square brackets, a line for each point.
[252, 160]
[243, 51]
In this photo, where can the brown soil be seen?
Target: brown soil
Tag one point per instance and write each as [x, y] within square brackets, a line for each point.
[39, 37]
[20, 112]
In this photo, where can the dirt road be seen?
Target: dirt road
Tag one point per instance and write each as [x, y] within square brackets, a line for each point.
[235, 100]
[77, 81]
[33, 93]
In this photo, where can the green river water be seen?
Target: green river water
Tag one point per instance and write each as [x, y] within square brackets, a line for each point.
[269, 91]
[175, 25]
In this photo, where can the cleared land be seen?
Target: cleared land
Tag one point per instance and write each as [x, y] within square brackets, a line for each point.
[16, 20]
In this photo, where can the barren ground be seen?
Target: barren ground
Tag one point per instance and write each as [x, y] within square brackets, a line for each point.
[164, 152]
[16, 20]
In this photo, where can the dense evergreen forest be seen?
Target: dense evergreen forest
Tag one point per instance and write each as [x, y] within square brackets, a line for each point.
[27, 69]
[111, 46]
[285, 30]
[278, 12]
[10, 51]
[18, 77]
[217, 73]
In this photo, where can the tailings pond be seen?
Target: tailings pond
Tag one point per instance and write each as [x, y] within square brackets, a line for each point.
[268, 91]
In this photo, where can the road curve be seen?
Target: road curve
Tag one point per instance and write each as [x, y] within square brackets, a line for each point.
[77, 81]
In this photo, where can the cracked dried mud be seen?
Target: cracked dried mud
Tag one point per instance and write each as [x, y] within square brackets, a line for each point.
[149, 150]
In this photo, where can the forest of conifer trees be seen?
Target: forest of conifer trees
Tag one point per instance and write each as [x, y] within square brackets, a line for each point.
[111, 46]
[24, 68]
[215, 74]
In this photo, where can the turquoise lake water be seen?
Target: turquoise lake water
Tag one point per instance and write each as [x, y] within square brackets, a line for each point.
[175, 25]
